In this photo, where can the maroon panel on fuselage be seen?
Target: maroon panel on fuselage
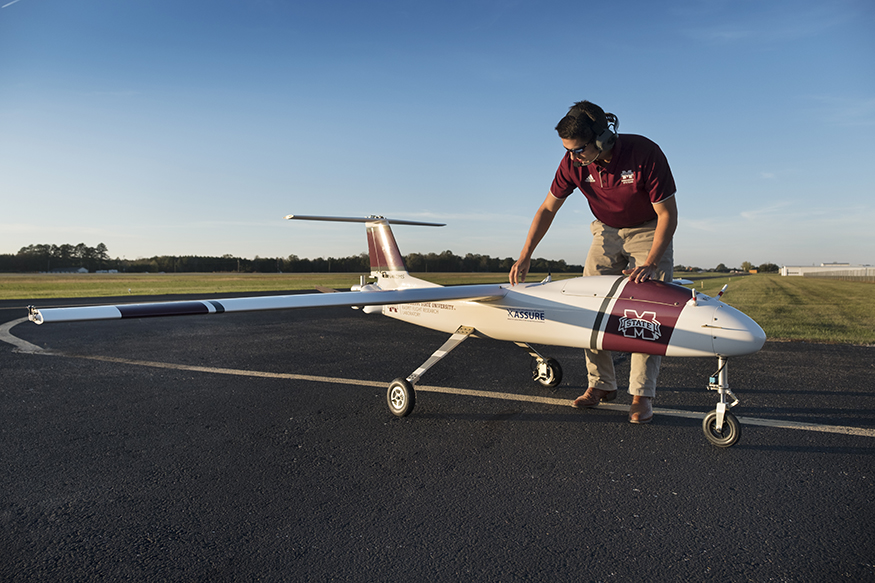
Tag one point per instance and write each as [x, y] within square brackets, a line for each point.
[644, 316]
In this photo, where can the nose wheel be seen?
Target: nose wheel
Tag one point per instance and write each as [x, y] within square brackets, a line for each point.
[727, 434]
[721, 427]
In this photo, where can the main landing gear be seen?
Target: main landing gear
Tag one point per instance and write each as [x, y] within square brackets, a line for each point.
[544, 370]
[720, 426]
[401, 396]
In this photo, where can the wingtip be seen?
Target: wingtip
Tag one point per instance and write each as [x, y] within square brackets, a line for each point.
[34, 315]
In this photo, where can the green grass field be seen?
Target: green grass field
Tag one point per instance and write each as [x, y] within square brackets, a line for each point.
[788, 308]
[46, 286]
[801, 308]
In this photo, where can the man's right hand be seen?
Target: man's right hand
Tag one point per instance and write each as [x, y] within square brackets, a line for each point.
[519, 271]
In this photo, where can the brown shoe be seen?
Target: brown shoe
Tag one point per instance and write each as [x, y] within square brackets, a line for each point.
[593, 397]
[641, 410]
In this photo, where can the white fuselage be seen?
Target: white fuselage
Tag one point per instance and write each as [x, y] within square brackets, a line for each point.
[600, 312]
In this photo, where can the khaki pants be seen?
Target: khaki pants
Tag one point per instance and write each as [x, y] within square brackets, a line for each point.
[612, 251]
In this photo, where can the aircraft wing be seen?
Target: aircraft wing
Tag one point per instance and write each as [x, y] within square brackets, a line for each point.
[253, 304]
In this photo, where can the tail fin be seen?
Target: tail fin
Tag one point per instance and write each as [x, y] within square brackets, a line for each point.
[382, 248]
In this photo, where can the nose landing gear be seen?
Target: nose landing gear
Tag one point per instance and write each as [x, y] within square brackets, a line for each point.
[721, 427]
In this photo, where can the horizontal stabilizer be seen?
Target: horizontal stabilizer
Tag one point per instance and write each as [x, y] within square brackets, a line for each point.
[371, 219]
[264, 303]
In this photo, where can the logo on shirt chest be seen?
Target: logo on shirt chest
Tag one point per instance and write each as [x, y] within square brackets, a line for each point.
[627, 177]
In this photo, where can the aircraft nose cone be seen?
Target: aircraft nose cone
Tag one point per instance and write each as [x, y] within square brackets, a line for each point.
[734, 333]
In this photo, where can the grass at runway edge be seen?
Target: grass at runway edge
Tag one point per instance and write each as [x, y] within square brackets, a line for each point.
[788, 308]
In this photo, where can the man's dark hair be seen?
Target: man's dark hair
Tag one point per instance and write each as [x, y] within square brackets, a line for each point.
[584, 121]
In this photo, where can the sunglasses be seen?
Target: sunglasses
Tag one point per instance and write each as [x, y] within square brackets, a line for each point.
[578, 151]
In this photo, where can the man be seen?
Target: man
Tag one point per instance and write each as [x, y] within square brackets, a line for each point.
[628, 184]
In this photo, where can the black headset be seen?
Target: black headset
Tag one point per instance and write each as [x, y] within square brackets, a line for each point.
[605, 137]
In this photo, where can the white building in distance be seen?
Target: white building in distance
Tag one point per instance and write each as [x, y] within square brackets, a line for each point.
[830, 270]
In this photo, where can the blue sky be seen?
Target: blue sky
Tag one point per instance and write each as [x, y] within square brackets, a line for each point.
[192, 128]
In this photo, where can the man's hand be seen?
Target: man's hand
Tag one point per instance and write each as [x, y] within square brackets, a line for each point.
[542, 221]
[519, 271]
[641, 273]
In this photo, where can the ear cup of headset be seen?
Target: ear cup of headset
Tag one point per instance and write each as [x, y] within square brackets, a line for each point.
[605, 140]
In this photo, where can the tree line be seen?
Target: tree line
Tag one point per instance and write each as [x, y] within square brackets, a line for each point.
[746, 267]
[47, 258]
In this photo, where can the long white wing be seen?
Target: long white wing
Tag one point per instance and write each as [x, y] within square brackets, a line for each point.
[253, 304]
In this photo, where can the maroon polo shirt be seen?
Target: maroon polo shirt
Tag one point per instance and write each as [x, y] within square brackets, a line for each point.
[620, 194]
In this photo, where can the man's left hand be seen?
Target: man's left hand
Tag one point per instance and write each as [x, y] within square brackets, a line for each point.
[641, 273]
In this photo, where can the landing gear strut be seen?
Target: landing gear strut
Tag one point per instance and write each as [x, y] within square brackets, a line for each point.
[401, 396]
[720, 426]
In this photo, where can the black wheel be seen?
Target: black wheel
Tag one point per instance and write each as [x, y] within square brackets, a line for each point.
[401, 397]
[728, 435]
[547, 372]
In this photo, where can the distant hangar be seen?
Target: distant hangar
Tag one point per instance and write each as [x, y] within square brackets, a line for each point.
[830, 270]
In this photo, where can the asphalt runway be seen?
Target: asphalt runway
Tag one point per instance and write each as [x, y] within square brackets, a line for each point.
[259, 446]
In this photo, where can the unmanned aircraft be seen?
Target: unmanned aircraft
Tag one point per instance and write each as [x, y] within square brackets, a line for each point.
[595, 312]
